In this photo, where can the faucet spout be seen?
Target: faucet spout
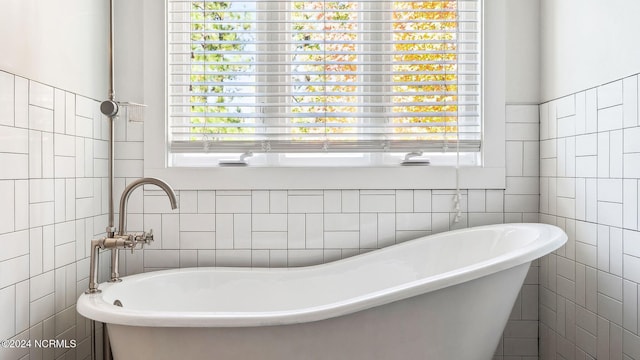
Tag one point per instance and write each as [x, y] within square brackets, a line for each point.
[124, 199]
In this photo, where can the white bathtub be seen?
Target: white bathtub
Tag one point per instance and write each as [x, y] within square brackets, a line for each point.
[440, 297]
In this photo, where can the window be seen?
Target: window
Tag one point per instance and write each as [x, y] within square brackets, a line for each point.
[306, 81]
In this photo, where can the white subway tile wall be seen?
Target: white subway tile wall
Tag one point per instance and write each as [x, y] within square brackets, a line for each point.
[53, 161]
[236, 226]
[54, 167]
[589, 288]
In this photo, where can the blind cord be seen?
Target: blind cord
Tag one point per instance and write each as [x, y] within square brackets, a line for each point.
[458, 196]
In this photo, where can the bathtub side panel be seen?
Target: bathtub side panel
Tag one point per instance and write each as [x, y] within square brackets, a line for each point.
[460, 322]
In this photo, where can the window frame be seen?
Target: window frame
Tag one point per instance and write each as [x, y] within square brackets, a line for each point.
[489, 175]
[275, 18]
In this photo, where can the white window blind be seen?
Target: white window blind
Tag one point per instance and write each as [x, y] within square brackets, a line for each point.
[324, 76]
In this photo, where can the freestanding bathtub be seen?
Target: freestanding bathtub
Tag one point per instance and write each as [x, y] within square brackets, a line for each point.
[439, 297]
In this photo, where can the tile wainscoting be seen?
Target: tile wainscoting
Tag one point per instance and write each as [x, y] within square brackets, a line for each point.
[296, 228]
[589, 170]
[53, 152]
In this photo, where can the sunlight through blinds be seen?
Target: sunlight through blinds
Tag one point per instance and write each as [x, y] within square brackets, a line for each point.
[324, 76]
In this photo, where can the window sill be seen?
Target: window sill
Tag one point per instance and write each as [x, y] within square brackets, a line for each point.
[299, 178]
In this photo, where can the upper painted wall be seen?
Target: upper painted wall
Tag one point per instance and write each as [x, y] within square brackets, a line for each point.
[62, 43]
[522, 52]
[586, 43]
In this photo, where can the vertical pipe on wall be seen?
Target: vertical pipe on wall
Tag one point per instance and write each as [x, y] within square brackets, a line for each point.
[111, 56]
[111, 226]
[112, 117]
[110, 230]
[106, 348]
[115, 276]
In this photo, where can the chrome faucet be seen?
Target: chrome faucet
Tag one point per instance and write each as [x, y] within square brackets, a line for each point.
[124, 200]
[122, 240]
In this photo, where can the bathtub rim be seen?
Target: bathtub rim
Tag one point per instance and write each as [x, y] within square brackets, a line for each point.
[94, 306]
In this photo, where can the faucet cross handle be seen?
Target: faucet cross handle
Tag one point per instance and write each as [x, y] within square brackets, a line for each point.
[144, 238]
[147, 237]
